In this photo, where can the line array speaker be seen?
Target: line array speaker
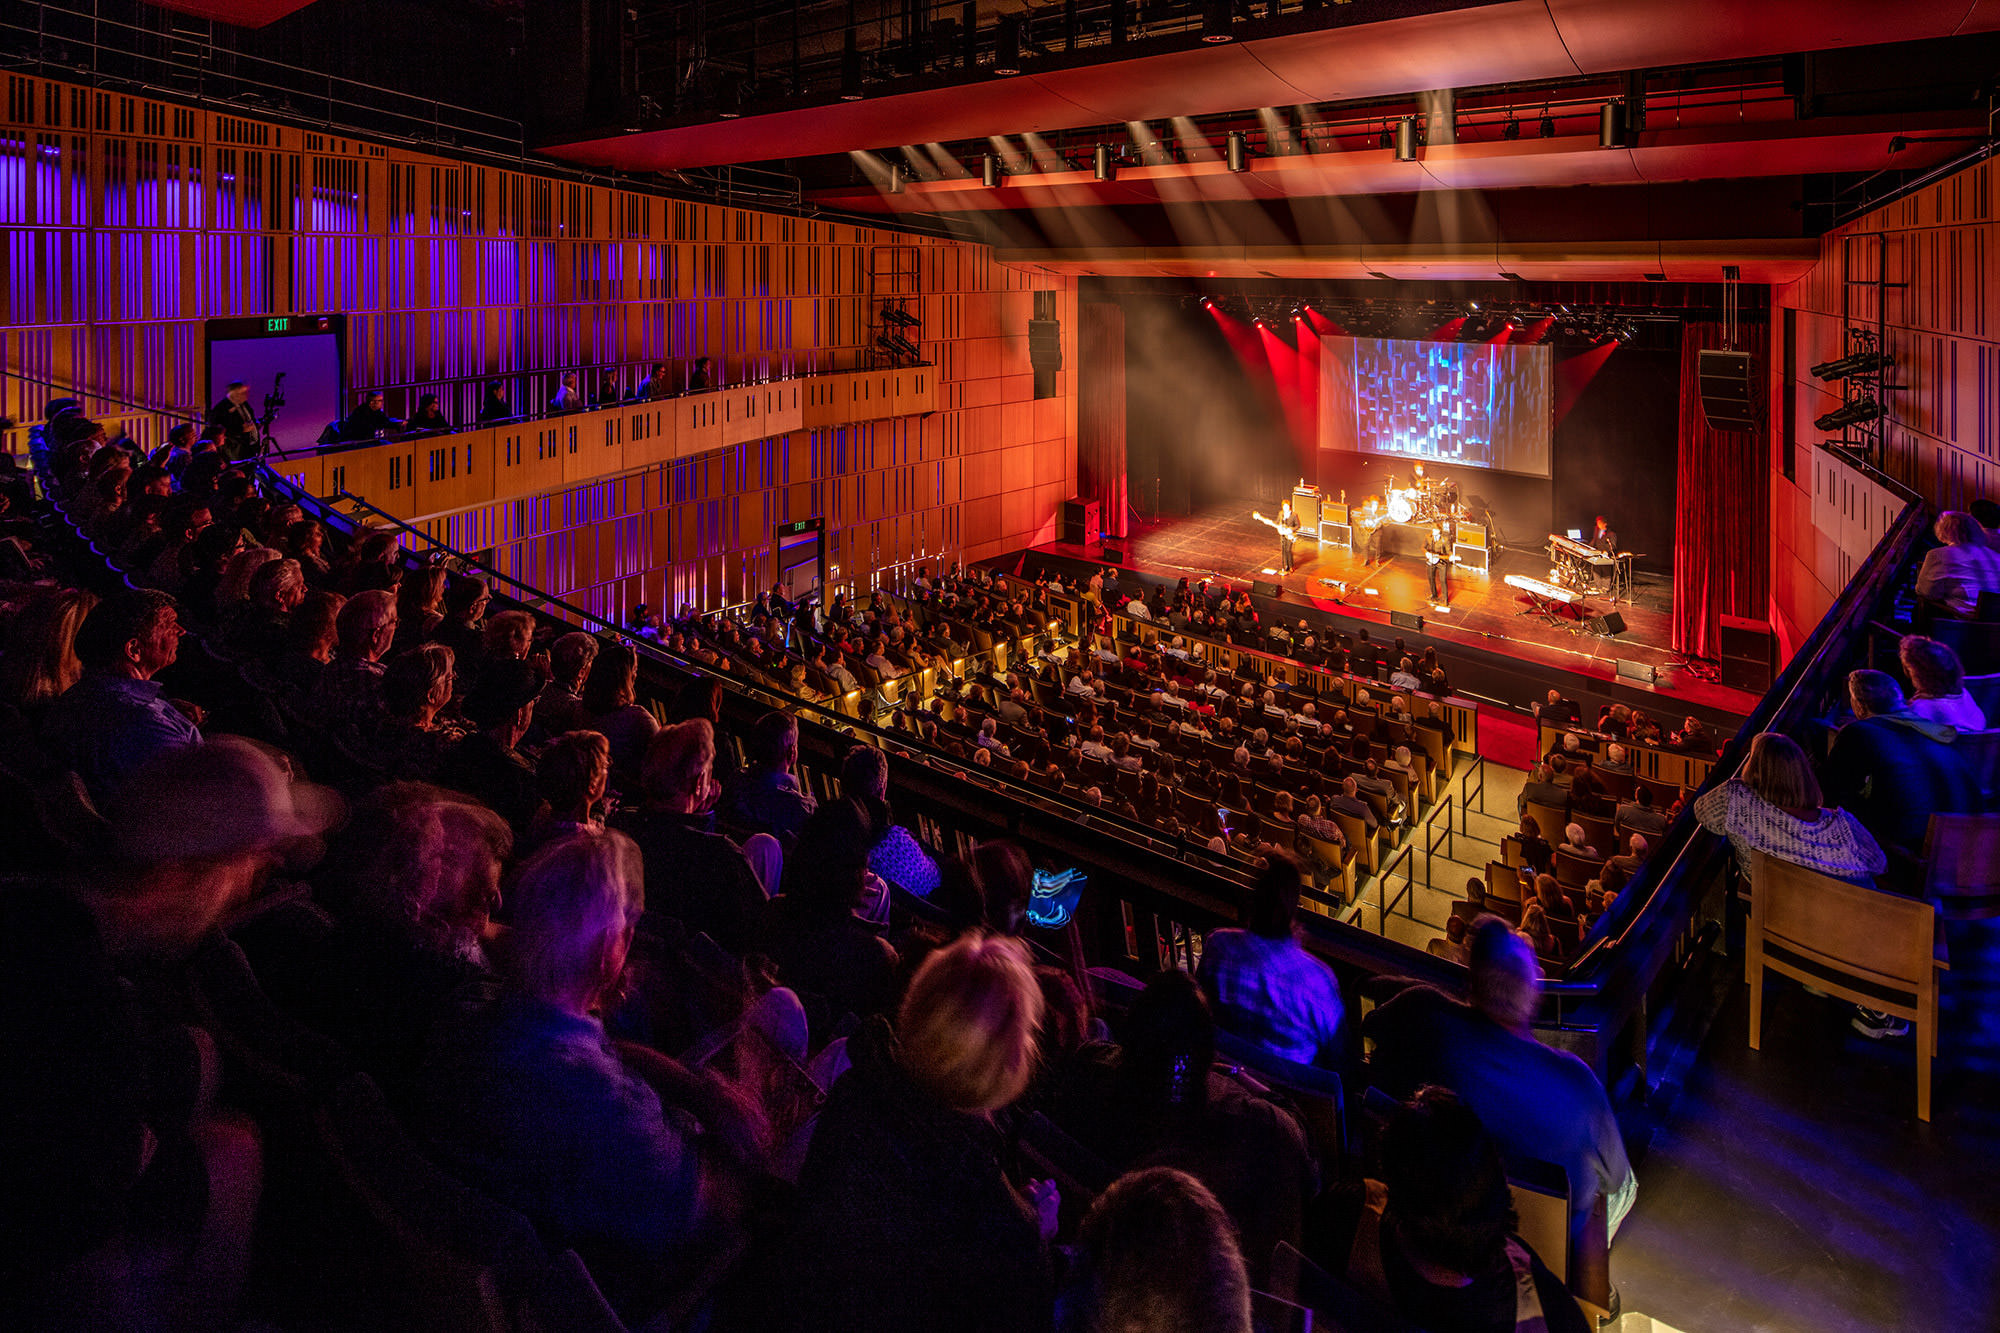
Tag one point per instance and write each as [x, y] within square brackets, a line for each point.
[1727, 381]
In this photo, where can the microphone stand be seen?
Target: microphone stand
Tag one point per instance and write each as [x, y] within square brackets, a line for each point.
[274, 403]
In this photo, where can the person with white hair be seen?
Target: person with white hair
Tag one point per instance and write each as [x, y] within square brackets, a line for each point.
[1573, 841]
[1616, 759]
[1539, 1103]
[527, 1099]
[1627, 865]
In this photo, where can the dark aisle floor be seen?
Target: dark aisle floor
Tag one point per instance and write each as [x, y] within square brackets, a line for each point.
[1793, 1188]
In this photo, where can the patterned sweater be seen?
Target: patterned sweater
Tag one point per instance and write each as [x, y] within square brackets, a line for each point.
[1834, 844]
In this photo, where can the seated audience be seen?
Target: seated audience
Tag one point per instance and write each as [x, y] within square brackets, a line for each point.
[1264, 985]
[1538, 1103]
[39, 662]
[700, 877]
[127, 1193]
[1640, 815]
[571, 777]
[1937, 684]
[526, 1098]
[488, 763]
[560, 707]
[1773, 805]
[1156, 1254]
[1573, 841]
[824, 951]
[765, 797]
[906, 1221]
[1627, 865]
[1893, 769]
[1436, 1244]
[1956, 573]
[115, 717]
[611, 708]
[1156, 1100]
[348, 698]
[897, 856]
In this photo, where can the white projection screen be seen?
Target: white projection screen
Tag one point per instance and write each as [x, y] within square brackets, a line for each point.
[1476, 404]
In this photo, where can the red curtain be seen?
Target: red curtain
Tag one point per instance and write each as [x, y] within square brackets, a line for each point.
[1721, 532]
[1100, 414]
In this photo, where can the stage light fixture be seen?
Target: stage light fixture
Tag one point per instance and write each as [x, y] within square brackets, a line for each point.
[1611, 125]
[1387, 139]
[895, 178]
[989, 170]
[1855, 413]
[1236, 151]
[1101, 165]
[1473, 304]
[1547, 128]
[1406, 139]
[1007, 46]
[1218, 21]
[1512, 129]
[1852, 365]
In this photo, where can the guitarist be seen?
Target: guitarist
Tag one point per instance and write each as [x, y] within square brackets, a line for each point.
[1288, 534]
[1437, 553]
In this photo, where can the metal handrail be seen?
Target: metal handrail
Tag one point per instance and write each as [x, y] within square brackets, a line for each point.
[1387, 906]
[1431, 837]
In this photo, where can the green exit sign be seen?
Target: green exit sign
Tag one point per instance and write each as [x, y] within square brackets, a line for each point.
[277, 325]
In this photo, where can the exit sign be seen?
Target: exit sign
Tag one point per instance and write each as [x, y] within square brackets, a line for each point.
[277, 325]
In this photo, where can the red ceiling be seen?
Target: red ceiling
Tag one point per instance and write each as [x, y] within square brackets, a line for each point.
[241, 13]
[1511, 41]
[1716, 152]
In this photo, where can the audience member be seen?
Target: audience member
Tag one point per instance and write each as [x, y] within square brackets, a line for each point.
[1156, 1254]
[1437, 1244]
[39, 662]
[1640, 815]
[702, 878]
[1937, 684]
[611, 707]
[1264, 985]
[832, 958]
[1774, 805]
[1956, 573]
[116, 716]
[765, 797]
[349, 695]
[488, 763]
[1893, 769]
[1539, 1103]
[906, 1221]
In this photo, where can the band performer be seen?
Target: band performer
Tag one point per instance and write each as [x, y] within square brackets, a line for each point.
[1288, 535]
[1437, 553]
[1603, 538]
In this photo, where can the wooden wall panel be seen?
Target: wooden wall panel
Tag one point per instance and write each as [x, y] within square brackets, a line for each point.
[1942, 435]
[125, 222]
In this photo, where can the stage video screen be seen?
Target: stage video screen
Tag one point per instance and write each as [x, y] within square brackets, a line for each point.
[292, 365]
[1483, 405]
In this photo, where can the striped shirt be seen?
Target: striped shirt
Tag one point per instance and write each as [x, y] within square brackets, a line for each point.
[1833, 844]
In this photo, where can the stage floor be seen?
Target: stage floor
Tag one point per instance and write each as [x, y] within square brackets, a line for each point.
[1484, 612]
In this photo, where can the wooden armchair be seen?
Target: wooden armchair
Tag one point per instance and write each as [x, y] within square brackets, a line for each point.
[1872, 948]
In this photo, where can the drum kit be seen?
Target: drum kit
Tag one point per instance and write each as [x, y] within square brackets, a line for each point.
[1425, 501]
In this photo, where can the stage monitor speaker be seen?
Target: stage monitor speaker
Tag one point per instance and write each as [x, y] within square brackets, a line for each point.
[1639, 671]
[1404, 620]
[1044, 344]
[1261, 589]
[1607, 624]
[1077, 522]
[1114, 555]
[1727, 384]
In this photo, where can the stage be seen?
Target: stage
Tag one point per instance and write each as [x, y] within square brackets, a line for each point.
[1486, 617]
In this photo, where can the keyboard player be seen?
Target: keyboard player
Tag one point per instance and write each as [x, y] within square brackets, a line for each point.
[1603, 538]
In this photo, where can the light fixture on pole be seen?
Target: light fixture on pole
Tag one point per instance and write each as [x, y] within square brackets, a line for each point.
[895, 178]
[989, 170]
[1611, 125]
[1547, 128]
[1406, 139]
[1236, 151]
[1101, 165]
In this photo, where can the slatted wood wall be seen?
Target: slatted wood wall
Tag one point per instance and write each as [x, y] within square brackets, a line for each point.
[127, 221]
[1943, 329]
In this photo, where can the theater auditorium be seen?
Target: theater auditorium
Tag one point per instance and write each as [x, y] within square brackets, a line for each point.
[999, 666]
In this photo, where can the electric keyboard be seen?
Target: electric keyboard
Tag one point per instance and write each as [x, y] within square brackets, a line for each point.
[1537, 588]
[1576, 550]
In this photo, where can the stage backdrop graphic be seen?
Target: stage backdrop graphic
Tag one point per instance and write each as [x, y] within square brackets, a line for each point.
[1477, 405]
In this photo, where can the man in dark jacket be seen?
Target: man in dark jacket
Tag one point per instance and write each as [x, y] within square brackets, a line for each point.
[1892, 769]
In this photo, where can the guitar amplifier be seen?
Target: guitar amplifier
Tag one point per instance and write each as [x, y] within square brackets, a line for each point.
[1335, 534]
[1305, 503]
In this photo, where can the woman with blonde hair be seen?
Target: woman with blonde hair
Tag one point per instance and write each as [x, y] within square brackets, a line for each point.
[1774, 805]
[40, 659]
[1954, 574]
[906, 1219]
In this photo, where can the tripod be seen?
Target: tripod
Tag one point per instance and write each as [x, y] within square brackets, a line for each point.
[274, 403]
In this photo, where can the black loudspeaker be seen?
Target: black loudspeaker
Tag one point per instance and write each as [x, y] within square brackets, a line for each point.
[1726, 384]
[1629, 670]
[1608, 623]
[1076, 522]
[1749, 650]
[1404, 620]
[1261, 589]
[1114, 554]
[1044, 344]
